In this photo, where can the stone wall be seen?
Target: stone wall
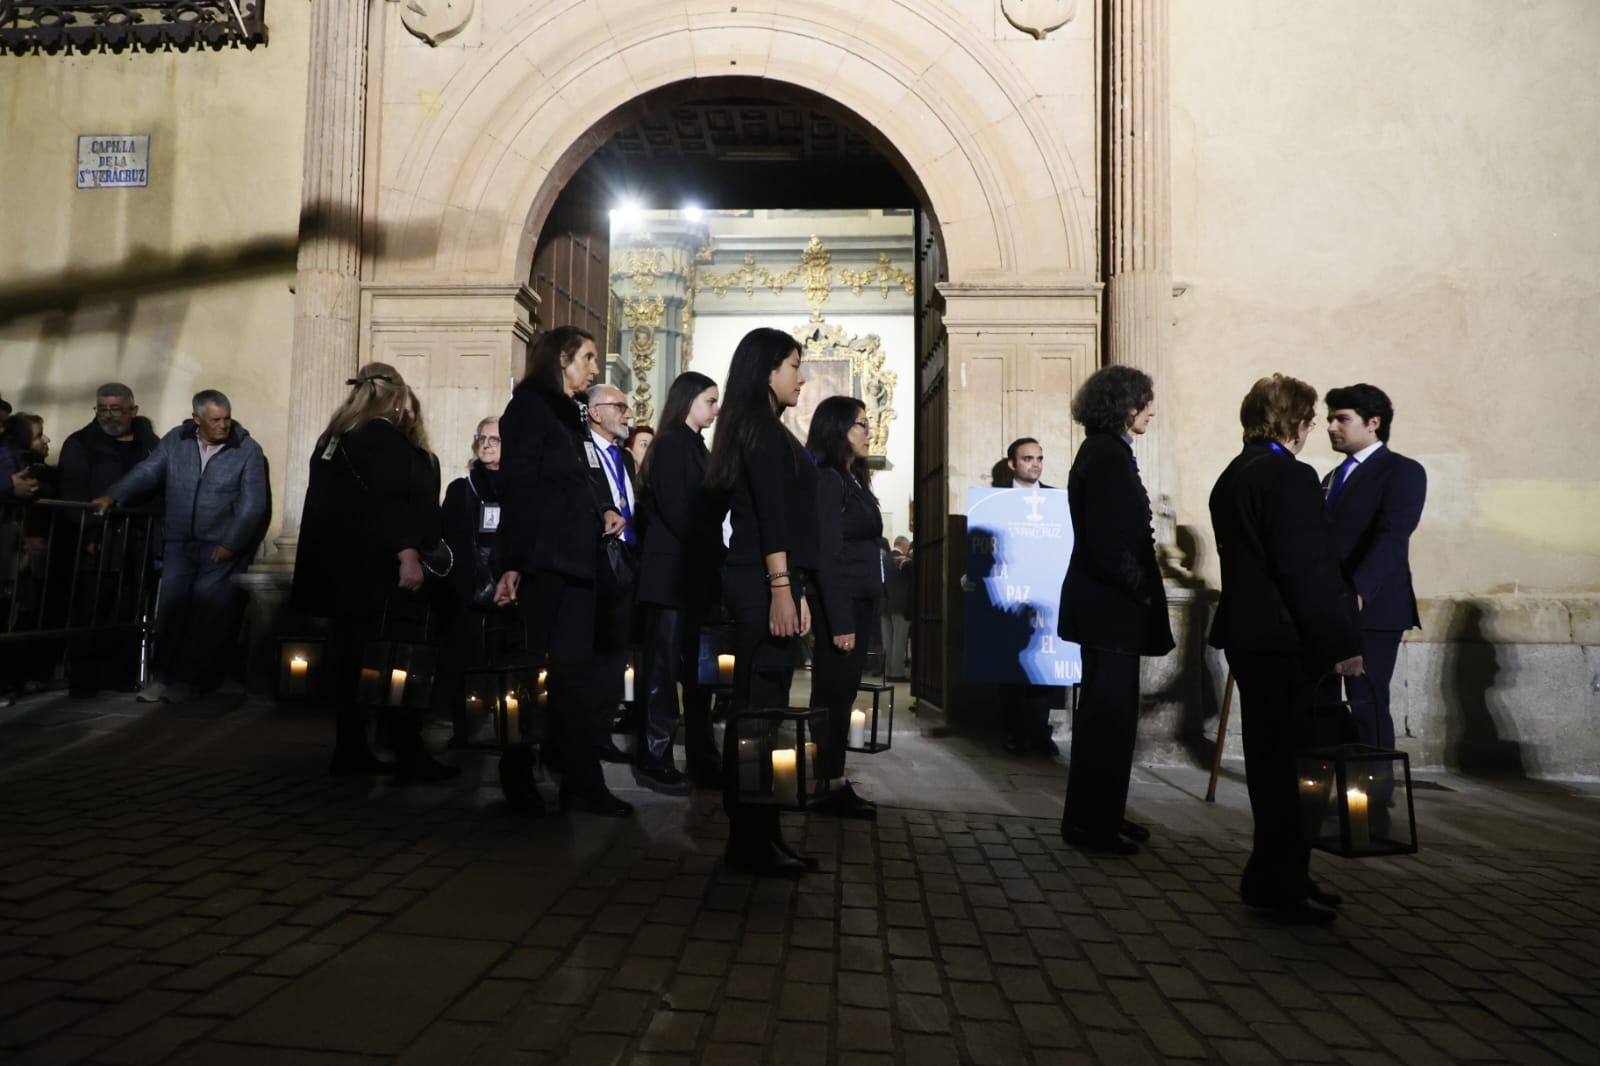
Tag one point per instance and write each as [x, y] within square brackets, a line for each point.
[182, 285]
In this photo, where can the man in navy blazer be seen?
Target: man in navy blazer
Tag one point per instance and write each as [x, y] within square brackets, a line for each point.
[1373, 501]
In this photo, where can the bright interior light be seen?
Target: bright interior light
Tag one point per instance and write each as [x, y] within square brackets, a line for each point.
[692, 212]
[627, 213]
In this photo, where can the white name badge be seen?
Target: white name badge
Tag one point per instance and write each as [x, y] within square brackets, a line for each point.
[594, 456]
[489, 518]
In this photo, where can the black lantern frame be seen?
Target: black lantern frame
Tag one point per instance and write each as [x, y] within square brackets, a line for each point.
[1356, 801]
[301, 668]
[877, 733]
[775, 755]
[506, 706]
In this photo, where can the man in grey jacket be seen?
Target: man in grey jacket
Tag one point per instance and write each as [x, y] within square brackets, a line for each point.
[215, 480]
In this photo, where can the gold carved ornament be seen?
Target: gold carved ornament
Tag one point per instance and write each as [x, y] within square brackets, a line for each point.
[873, 381]
[815, 273]
[643, 311]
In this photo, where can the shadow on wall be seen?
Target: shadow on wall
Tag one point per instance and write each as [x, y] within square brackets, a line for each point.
[1472, 735]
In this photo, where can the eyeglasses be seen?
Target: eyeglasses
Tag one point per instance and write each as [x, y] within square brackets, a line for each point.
[488, 440]
[865, 425]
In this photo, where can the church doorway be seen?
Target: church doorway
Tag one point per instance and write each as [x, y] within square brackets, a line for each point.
[706, 208]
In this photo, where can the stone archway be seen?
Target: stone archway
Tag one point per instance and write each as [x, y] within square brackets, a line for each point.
[468, 145]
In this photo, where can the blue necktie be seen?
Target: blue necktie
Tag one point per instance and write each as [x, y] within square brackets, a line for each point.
[1339, 478]
[619, 473]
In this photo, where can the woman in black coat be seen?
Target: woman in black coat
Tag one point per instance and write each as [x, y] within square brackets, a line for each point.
[1285, 620]
[771, 484]
[369, 536]
[469, 519]
[678, 563]
[849, 588]
[551, 524]
[1113, 604]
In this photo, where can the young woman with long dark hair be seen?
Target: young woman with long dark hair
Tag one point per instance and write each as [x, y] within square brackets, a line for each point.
[772, 490]
[844, 601]
[679, 559]
[550, 524]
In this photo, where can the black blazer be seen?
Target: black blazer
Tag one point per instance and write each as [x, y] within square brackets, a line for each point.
[1113, 597]
[1281, 588]
[681, 550]
[774, 503]
[1373, 519]
[849, 563]
[367, 499]
[552, 517]
[461, 520]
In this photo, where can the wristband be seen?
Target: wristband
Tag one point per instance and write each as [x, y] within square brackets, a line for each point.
[775, 576]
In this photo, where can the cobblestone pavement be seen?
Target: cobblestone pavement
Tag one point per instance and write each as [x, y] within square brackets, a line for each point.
[183, 885]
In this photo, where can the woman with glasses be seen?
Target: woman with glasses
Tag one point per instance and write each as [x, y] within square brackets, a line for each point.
[470, 519]
[844, 602]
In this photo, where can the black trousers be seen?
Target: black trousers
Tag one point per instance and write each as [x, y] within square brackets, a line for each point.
[671, 658]
[1274, 705]
[1380, 650]
[763, 672]
[560, 615]
[835, 679]
[1026, 712]
[1105, 727]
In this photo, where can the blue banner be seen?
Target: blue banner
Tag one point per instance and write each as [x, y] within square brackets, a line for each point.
[1018, 544]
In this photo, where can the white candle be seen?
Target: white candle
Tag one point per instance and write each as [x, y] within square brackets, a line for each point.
[544, 693]
[627, 685]
[298, 670]
[725, 669]
[513, 723]
[369, 684]
[397, 687]
[858, 729]
[785, 785]
[1356, 802]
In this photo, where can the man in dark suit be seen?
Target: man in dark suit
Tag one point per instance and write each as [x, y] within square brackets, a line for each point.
[1113, 605]
[1373, 501]
[1026, 708]
[616, 568]
[1285, 622]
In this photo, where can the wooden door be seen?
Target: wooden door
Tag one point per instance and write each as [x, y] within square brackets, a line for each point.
[572, 265]
[930, 636]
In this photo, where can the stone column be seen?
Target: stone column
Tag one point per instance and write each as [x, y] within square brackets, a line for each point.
[1139, 223]
[328, 273]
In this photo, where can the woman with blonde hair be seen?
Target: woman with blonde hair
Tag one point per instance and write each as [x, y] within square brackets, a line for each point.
[369, 538]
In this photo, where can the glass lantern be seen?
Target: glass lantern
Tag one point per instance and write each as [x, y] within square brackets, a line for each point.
[507, 706]
[1355, 801]
[775, 755]
[872, 731]
[300, 666]
[396, 673]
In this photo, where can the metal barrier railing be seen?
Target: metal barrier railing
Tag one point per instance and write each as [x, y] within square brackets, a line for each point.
[67, 571]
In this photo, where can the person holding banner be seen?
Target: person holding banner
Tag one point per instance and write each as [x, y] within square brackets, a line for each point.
[1113, 605]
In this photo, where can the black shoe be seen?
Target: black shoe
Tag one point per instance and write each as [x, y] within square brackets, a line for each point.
[845, 802]
[600, 802]
[1110, 845]
[708, 776]
[768, 860]
[664, 779]
[1134, 831]
[358, 764]
[811, 864]
[1293, 911]
[1321, 898]
[424, 769]
[609, 752]
[1044, 746]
